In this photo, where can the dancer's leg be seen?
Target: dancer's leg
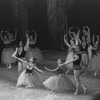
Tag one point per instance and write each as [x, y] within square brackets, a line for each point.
[77, 80]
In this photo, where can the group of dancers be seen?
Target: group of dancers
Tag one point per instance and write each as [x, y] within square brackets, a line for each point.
[80, 52]
[32, 76]
[88, 48]
[9, 39]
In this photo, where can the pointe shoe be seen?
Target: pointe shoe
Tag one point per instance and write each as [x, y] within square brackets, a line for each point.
[95, 74]
[76, 93]
[85, 91]
[9, 67]
[28, 86]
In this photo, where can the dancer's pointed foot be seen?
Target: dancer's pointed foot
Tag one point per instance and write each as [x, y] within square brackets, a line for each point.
[76, 93]
[85, 90]
[95, 74]
[9, 67]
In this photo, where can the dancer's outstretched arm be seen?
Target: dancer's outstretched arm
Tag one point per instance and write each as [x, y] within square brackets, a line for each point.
[66, 41]
[38, 69]
[2, 36]
[51, 70]
[26, 47]
[97, 42]
[75, 57]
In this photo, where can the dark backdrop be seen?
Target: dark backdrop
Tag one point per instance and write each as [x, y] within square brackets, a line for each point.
[82, 12]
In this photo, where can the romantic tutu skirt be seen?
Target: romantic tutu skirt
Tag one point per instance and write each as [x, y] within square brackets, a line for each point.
[69, 57]
[94, 63]
[29, 79]
[59, 83]
[35, 52]
[33, 79]
[6, 56]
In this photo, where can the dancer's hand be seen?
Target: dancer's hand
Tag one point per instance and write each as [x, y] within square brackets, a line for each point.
[45, 67]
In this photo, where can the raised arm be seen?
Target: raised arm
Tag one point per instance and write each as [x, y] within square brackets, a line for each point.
[78, 36]
[88, 35]
[35, 37]
[69, 32]
[66, 41]
[2, 36]
[15, 34]
[97, 42]
[93, 38]
[51, 70]
[75, 57]
[26, 47]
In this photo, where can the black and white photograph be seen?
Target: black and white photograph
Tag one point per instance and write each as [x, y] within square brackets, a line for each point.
[49, 50]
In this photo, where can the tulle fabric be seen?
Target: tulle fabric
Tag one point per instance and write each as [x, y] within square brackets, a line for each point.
[6, 56]
[59, 83]
[84, 59]
[69, 57]
[34, 79]
[94, 63]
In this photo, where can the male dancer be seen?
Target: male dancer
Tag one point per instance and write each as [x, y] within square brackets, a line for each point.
[77, 69]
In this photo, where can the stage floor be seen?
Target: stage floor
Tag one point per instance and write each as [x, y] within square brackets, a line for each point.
[9, 91]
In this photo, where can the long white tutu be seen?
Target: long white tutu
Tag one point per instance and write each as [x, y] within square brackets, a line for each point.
[36, 52]
[90, 52]
[94, 63]
[34, 79]
[5, 56]
[24, 80]
[59, 83]
[69, 57]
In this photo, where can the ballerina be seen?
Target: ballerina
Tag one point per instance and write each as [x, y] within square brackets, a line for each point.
[6, 53]
[60, 81]
[33, 51]
[30, 75]
[12, 44]
[73, 43]
[94, 58]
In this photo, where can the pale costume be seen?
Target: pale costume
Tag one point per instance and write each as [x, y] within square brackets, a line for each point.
[60, 82]
[33, 50]
[6, 55]
[94, 62]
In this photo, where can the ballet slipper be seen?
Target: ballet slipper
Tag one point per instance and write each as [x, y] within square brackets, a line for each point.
[95, 74]
[28, 86]
[85, 91]
[76, 93]
[9, 67]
